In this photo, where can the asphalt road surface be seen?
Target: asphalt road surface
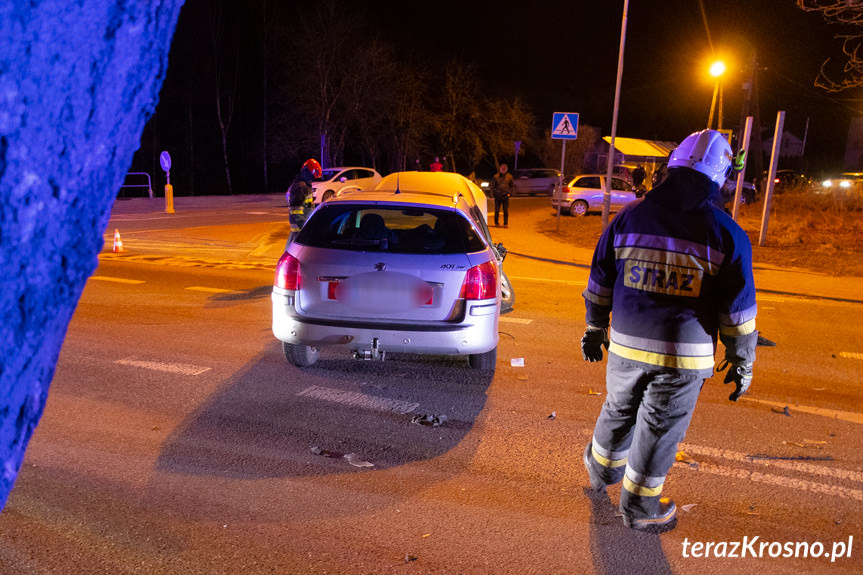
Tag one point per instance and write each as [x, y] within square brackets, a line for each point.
[178, 440]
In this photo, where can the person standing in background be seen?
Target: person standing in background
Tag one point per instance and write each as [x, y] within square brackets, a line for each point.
[501, 189]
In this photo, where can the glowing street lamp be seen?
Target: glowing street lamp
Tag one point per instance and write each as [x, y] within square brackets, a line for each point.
[717, 69]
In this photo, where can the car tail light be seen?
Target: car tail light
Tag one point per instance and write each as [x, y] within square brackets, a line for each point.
[480, 282]
[288, 272]
[565, 189]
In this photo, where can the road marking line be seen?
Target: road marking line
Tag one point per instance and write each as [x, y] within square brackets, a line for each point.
[515, 320]
[210, 290]
[850, 355]
[823, 411]
[116, 280]
[359, 400]
[799, 466]
[781, 481]
[261, 250]
[181, 368]
[775, 299]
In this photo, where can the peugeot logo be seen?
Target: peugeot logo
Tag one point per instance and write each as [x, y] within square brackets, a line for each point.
[381, 266]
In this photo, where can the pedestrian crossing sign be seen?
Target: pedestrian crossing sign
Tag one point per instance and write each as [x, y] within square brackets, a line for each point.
[564, 126]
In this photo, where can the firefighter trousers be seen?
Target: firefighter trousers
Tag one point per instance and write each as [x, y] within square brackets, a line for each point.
[645, 414]
[296, 217]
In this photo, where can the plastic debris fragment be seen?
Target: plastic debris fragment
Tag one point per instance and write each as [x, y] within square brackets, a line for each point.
[354, 460]
[684, 457]
[326, 453]
[688, 507]
[553, 415]
[517, 362]
[786, 411]
[591, 392]
[429, 420]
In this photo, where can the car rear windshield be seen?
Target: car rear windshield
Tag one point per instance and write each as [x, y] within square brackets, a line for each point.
[391, 229]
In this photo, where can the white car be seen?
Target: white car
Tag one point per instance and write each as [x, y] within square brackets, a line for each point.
[586, 193]
[334, 179]
[406, 267]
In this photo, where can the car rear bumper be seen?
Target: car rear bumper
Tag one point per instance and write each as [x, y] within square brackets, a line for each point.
[476, 333]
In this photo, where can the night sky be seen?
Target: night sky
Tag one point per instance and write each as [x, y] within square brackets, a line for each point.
[555, 55]
[562, 56]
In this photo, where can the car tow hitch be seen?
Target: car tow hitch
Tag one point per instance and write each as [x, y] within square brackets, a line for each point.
[373, 354]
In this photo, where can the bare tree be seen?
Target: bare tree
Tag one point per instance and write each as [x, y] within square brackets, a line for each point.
[505, 122]
[321, 56]
[459, 112]
[407, 121]
[850, 14]
[225, 68]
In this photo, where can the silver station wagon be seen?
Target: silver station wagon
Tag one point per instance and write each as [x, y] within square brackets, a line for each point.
[406, 267]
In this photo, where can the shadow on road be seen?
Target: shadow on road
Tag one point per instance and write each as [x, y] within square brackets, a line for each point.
[264, 422]
[618, 550]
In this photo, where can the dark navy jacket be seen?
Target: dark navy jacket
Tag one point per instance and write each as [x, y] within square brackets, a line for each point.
[675, 270]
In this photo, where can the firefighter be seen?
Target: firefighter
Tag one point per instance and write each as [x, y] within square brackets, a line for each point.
[300, 198]
[675, 270]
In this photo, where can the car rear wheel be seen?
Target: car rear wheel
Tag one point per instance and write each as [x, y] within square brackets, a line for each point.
[578, 208]
[483, 361]
[327, 195]
[300, 355]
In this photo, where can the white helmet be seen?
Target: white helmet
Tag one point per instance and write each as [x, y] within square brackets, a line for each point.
[707, 152]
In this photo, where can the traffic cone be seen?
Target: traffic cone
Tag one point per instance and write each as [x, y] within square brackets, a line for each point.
[118, 243]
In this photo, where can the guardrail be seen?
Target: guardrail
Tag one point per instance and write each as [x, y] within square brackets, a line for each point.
[148, 185]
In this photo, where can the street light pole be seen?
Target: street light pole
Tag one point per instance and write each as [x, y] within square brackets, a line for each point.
[712, 106]
[606, 201]
[717, 69]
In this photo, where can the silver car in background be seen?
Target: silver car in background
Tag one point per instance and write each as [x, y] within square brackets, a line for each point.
[536, 181]
[406, 267]
[585, 193]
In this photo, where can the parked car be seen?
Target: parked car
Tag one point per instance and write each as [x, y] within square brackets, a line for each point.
[406, 267]
[585, 194]
[334, 179]
[535, 181]
[786, 180]
[848, 181]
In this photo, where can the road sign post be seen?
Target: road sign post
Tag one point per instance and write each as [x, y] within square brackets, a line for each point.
[165, 162]
[564, 126]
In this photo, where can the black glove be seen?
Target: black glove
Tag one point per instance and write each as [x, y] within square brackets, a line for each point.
[591, 343]
[741, 375]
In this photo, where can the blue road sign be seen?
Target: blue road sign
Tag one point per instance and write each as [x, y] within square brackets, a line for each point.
[564, 126]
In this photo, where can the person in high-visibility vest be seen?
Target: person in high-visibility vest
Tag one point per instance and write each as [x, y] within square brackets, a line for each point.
[300, 198]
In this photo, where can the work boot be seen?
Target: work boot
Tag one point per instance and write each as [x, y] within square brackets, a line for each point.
[665, 518]
[595, 481]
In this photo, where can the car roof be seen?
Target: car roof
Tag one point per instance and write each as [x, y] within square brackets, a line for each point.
[439, 189]
[594, 176]
[340, 168]
[445, 184]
